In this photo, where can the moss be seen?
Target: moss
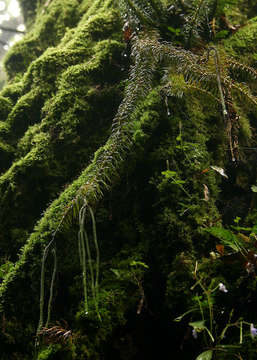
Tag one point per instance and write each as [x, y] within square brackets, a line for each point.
[17, 120]
[12, 91]
[4, 128]
[54, 61]
[5, 107]
[53, 19]
[66, 119]
[56, 19]
[56, 351]
[51, 218]
[243, 43]
[28, 8]
[6, 153]
[147, 121]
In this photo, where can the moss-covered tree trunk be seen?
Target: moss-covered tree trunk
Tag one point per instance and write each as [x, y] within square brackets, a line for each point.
[116, 139]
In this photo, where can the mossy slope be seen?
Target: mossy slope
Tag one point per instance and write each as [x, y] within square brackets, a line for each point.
[56, 111]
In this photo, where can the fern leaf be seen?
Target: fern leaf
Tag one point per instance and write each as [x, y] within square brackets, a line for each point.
[233, 64]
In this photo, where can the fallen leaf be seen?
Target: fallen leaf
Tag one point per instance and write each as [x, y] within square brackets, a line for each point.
[219, 170]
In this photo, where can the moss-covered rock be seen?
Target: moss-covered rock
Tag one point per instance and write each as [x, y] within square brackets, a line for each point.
[67, 120]
[54, 19]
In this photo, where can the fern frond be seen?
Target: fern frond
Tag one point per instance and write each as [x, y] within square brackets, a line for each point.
[233, 64]
[137, 12]
[197, 19]
[144, 12]
[242, 89]
[197, 88]
[157, 7]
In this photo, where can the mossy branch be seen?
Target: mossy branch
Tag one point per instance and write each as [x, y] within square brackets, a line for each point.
[104, 169]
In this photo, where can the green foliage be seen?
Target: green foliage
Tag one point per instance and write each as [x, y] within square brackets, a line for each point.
[131, 270]
[150, 13]
[56, 128]
[56, 351]
[224, 5]
[49, 352]
[173, 176]
[185, 22]
[5, 268]
[51, 19]
[235, 238]
[227, 237]
[206, 355]
[211, 326]
[147, 174]
[242, 44]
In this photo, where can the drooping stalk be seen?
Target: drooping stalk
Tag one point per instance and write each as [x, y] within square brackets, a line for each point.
[82, 254]
[217, 69]
[42, 286]
[42, 277]
[91, 270]
[85, 255]
[96, 285]
[51, 288]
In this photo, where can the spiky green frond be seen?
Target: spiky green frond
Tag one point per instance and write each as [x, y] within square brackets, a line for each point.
[243, 90]
[143, 12]
[235, 65]
[208, 73]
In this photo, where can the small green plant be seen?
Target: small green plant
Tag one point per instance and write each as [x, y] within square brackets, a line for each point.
[209, 323]
[133, 271]
[173, 178]
[237, 240]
